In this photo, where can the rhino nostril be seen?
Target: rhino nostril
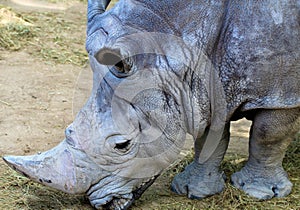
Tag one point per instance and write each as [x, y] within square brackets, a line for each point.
[69, 130]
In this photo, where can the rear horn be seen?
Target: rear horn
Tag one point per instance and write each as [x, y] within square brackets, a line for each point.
[96, 7]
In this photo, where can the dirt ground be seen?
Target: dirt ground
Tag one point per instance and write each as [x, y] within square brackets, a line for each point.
[39, 98]
[36, 100]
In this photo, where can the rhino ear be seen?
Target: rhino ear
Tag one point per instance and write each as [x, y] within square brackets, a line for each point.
[108, 57]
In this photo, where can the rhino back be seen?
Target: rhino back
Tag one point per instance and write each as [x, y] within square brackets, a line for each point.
[258, 54]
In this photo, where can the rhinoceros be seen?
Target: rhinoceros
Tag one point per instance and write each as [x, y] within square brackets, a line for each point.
[162, 69]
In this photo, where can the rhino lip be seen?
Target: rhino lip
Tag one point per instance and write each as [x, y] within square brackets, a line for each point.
[118, 204]
[124, 203]
[137, 193]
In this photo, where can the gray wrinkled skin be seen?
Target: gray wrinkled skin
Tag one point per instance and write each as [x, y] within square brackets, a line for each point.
[187, 67]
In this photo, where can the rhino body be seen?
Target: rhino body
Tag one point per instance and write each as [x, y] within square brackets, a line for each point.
[166, 68]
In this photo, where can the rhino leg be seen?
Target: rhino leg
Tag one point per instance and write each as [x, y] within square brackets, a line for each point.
[263, 176]
[200, 180]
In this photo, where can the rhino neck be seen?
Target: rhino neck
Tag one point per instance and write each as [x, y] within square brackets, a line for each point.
[195, 100]
[198, 22]
[203, 24]
[205, 102]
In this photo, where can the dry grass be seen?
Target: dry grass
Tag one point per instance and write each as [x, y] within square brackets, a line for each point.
[13, 36]
[15, 32]
[59, 40]
[18, 192]
[160, 197]
[49, 36]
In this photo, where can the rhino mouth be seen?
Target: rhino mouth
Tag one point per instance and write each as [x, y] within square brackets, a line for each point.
[125, 201]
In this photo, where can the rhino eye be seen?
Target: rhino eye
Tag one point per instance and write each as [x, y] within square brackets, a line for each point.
[123, 67]
[123, 147]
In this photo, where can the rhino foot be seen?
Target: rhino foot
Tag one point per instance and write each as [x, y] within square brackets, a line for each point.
[198, 181]
[262, 184]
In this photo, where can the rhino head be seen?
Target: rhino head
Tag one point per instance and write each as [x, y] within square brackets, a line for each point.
[135, 121]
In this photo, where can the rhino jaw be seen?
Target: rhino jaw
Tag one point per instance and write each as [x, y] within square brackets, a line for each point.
[57, 168]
